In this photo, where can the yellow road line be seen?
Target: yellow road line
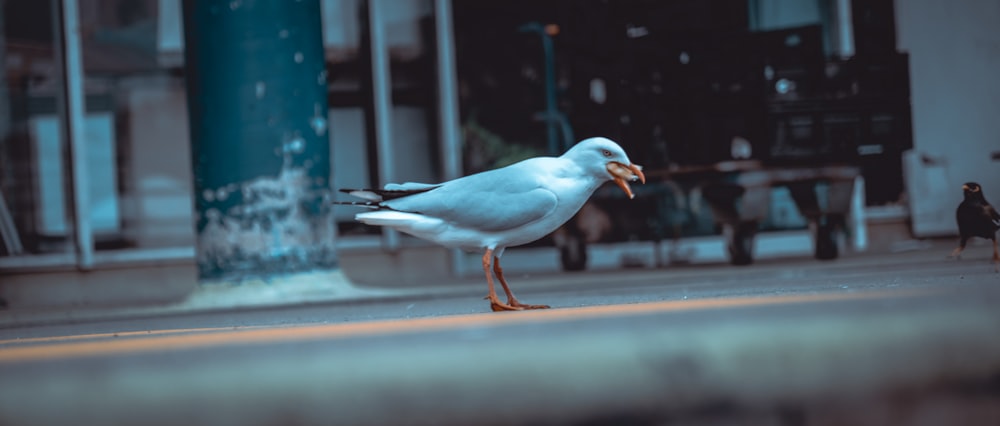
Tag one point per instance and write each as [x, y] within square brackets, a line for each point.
[184, 341]
[52, 339]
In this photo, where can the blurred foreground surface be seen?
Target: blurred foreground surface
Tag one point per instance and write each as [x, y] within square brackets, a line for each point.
[900, 340]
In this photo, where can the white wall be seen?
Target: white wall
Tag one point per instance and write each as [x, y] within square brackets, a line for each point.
[342, 28]
[955, 85]
[99, 135]
[157, 201]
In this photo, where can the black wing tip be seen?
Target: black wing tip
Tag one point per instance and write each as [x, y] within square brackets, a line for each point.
[388, 194]
[367, 204]
[370, 204]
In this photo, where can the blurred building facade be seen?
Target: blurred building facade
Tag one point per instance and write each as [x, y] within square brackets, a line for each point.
[884, 85]
[138, 142]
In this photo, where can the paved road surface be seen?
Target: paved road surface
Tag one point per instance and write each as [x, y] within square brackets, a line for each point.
[868, 342]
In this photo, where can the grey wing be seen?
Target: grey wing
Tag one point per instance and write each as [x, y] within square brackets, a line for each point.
[491, 201]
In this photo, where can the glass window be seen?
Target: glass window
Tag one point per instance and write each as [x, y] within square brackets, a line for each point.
[33, 217]
[135, 129]
[134, 63]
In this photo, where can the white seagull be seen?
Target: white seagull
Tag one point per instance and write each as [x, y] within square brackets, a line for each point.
[501, 208]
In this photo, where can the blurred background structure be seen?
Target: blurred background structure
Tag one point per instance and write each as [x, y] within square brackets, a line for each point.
[816, 126]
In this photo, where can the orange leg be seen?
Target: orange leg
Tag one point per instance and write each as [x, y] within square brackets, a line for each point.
[996, 258]
[511, 300]
[495, 303]
[957, 252]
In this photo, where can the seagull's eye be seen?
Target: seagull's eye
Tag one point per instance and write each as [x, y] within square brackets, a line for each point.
[606, 153]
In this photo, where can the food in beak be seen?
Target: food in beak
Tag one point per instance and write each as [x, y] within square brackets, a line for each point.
[622, 174]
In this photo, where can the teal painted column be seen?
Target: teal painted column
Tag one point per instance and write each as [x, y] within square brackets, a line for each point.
[256, 87]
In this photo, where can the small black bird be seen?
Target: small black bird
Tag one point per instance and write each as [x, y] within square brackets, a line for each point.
[977, 218]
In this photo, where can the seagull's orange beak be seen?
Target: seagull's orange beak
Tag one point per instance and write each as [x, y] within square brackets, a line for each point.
[621, 174]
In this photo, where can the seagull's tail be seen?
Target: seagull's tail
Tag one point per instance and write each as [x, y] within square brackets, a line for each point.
[389, 218]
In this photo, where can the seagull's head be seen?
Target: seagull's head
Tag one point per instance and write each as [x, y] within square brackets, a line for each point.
[606, 159]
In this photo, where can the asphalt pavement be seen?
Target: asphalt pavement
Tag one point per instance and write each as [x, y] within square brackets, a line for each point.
[907, 339]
